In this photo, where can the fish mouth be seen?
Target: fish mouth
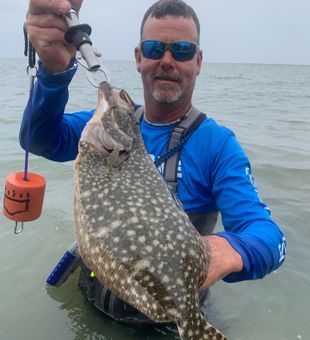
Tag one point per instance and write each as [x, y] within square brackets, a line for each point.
[109, 92]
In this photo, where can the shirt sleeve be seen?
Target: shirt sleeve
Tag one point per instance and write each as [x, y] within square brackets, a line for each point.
[248, 225]
[53, 133]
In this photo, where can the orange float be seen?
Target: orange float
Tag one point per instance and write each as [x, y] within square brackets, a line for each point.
[24, 191]
[23, 198]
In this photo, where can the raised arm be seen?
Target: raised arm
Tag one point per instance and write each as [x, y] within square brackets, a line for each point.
[54, 134]
[46, 28]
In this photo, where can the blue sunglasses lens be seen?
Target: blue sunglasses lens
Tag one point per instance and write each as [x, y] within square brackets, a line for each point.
[181, 50]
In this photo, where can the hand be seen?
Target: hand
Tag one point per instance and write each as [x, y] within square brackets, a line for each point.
[46, 29]
[224, 259]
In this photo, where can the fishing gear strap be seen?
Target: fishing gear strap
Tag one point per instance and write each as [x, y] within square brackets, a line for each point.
[29, 50]
[179, 136]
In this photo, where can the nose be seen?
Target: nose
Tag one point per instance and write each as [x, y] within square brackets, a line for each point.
[167, 59]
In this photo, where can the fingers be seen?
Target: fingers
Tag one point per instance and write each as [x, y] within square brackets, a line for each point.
[46, 13]
[46, 27]
[45, 37]
[37, 7]
[53, 51]
[45, 21]
[76, 4]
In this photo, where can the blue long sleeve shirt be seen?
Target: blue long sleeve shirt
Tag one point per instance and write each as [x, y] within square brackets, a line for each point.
[214, 174]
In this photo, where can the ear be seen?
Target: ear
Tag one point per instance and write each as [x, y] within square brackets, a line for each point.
[138, 58]
[199, 61]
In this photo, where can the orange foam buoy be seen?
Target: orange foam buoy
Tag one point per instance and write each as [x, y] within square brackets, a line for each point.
[23, 198]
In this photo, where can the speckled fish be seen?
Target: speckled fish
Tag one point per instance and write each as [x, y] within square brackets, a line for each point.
[130, 230]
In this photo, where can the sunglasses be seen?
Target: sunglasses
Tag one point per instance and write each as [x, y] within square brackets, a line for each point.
[180, 50]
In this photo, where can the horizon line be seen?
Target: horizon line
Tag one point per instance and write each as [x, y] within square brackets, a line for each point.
[204, 62]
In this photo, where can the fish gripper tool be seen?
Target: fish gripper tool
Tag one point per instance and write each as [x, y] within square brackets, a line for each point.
[79, 35]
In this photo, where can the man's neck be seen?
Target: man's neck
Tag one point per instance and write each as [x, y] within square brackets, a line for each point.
[165, 113]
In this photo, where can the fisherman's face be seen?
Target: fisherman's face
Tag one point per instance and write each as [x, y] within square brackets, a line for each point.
[166, 80]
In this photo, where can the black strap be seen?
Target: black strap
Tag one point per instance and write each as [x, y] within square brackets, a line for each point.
[29, 50]
[184, 129]
[179, 136]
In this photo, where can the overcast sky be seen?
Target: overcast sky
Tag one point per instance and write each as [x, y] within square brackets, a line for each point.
[259, 31]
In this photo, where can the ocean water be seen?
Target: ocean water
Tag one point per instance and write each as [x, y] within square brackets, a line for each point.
[268, 108]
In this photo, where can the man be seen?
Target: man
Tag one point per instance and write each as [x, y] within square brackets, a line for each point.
[215, 171]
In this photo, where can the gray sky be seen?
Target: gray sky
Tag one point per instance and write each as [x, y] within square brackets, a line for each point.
[261, 31]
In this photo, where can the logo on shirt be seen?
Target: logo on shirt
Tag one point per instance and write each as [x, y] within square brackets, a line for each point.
[179, 171]
[282, 249]
[251, 179]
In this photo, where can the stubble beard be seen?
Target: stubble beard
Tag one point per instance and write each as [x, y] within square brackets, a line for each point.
[167, 94]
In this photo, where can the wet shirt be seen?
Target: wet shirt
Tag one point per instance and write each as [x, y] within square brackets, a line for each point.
[214, 174]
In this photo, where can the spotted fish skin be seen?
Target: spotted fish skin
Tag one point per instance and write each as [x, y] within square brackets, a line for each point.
[130, 230]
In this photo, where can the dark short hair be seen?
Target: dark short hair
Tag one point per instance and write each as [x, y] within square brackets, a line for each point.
[177, 8]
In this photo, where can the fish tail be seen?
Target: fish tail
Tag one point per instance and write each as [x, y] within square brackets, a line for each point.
[198, 329]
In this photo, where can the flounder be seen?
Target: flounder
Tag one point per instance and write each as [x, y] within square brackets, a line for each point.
[131, 231]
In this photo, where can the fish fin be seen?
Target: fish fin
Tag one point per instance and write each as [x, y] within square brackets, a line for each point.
[197, 328]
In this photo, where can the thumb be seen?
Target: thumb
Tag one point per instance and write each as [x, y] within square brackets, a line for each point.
[76, 4]
[64, 6]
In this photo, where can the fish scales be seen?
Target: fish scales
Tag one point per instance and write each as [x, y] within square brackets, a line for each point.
[131, 231]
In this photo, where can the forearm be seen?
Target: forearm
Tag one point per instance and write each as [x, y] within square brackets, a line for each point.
[262, 247]
[48, 130]
[224, 259]
[249, 228]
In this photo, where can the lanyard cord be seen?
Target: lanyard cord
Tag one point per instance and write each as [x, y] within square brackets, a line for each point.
[28, 126]
[31, 71]
[169, 153]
